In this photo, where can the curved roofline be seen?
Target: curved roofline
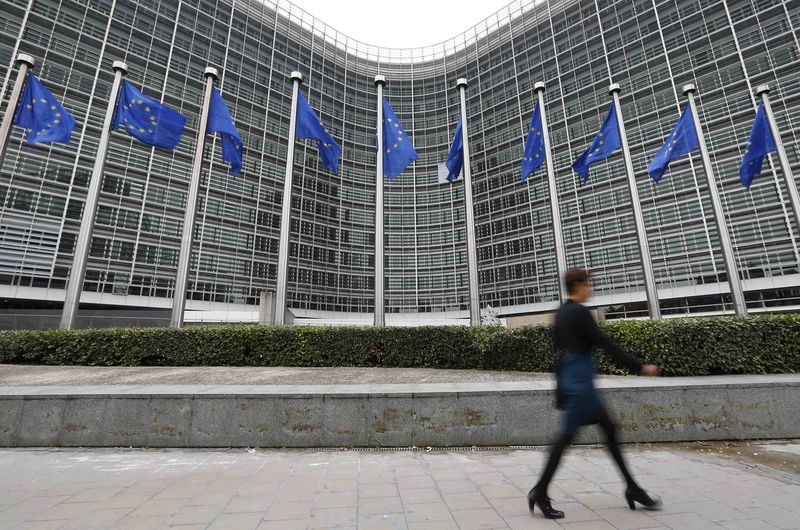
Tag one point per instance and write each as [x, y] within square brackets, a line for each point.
[308, 21]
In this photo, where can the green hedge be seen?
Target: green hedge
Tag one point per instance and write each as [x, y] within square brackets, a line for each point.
[695, 346]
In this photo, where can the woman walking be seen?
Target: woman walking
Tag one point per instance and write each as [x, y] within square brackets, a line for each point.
[576, 336]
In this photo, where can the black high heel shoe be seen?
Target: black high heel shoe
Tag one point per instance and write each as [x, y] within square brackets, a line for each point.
[639, 495]
[534, 498]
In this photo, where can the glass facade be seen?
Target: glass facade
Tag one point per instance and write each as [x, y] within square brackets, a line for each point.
[650, 47]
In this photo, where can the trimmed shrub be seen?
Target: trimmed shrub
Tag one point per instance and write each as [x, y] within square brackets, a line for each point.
[689, 346]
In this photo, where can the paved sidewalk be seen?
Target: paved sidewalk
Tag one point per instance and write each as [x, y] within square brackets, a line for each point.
[232, 490]
[28, 375]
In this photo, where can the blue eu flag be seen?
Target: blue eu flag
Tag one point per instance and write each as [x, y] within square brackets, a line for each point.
[146, 119]
[220, 120]
[605, 143]
[398, 152]
[758, 145]
[682, 141]
[455, 158]
[534, 156]
[310, 126]
[43, 118]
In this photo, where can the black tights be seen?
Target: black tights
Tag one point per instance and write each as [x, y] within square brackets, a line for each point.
[605, 422]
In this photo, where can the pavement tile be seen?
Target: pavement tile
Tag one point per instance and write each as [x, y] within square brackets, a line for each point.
[419, 513]
[501, 491]
[65, 511]
[394, 521]
[466, 501]
[685, 521]
[158, 507]
[126, 500]
[419, 495]
[328, 517]
[138, 523]
[194, 515]
[288, 510]
[456, 486]
[270, 489]
[336, 500]
[492, 477]
[243, 504]
[511, 507]
[286, 524]
[380, 505]
[378, 489]
[40, 525]
[94, 495]
[588, 525]
[433, 525]
[627, 519]
[526, 522]
[478, 518]
[747, 524]
[35, 504]
[775, 515]
[237, 521]
[98, 519]
[574, 512]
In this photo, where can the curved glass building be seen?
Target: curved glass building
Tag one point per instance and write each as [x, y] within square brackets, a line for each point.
[577, 47]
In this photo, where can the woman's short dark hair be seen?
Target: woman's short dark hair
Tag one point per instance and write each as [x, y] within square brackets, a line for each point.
[573, 277]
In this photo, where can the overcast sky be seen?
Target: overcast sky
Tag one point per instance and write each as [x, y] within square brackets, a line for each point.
[408, 23]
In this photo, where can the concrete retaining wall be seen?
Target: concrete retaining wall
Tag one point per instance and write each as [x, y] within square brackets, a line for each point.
[460, 414]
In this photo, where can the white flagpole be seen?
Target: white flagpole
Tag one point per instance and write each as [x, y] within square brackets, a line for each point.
[286, 209]
[555, 215]
[472, 246]
[25, 63]
[641, 233]
[185, 258]
[788, 177]
[737, 294]
[77, 274]
[380, 317]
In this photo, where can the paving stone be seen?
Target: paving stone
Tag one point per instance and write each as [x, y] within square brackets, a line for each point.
[379, 505]
[747, 524]
[465, 501]
[588, 525]
[419, 495]
[627, 519]
[248, 503]
[526, 522]
[97, 519]
[777, 516]
[328, 517]
[286, 524]
[194, 515]
[272, 489]
[236, 521]
[478, 518]
[289, 510]
[419, 513]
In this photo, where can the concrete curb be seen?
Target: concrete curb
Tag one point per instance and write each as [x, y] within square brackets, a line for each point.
[389, 415]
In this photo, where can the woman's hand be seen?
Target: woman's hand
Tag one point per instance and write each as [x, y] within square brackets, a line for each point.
[650, 369]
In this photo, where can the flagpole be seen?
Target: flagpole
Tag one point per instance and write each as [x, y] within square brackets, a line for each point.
[561, 255]
[72, 297]
[286, 209]
[380, 317]
[25, 63]
[641, 232]
[737, 294]
[472, 247]
[187, 238]
[794, 196]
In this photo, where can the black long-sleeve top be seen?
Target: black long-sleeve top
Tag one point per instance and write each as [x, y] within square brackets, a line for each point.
[577, 332]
